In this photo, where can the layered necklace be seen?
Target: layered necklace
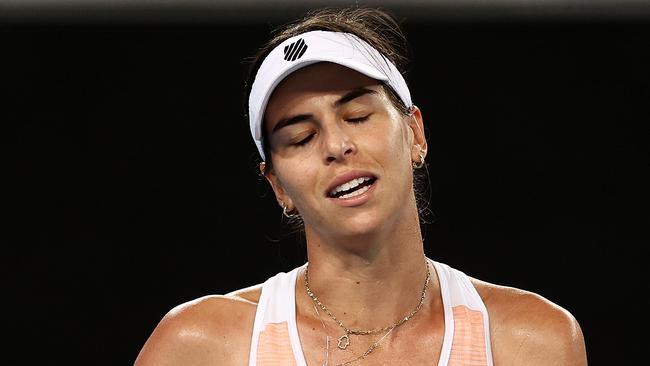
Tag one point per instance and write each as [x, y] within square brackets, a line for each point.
[344, 340]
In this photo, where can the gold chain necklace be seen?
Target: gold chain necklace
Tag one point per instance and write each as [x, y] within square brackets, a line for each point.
[344, 340]
[361, 356]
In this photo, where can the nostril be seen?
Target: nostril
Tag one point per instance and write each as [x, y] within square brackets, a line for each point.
[330, 159]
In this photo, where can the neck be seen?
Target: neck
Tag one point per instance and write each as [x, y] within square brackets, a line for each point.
[388, 328]
[372, 285]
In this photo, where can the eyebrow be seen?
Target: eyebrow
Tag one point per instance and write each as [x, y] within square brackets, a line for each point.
[290, 121]
[352, 94]
[349, 96]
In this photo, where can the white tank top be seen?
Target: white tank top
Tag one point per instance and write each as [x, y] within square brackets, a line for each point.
[466, 341]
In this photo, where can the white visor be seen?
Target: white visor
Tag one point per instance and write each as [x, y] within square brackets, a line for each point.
[317, 46]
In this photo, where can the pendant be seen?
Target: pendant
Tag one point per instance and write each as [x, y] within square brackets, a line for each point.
[344, 341]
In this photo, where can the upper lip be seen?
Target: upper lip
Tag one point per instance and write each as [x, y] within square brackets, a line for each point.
[346, 177]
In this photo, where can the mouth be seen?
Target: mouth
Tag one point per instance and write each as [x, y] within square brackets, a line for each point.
[352, 188]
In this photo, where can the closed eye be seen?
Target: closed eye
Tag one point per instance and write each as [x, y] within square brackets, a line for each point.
[304, 141]
[359, 119]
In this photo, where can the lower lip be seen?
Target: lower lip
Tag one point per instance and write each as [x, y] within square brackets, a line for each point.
[356, 200]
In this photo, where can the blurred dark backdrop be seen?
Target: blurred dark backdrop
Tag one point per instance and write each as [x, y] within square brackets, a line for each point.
[133, 185]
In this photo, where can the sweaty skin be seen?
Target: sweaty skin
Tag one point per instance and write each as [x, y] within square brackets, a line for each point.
[365, 253]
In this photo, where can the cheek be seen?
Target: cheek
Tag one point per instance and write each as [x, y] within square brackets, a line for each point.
[297, 176]
[389, 143]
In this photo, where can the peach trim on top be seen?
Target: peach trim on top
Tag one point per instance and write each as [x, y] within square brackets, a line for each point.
[274, 346]
[464, 342]
[468, 346]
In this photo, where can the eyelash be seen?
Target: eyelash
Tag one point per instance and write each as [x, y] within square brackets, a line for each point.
[351, 120]
[359, 119]
[303, 141]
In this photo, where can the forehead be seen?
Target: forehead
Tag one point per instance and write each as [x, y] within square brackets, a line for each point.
[323, 76]
[316, 79]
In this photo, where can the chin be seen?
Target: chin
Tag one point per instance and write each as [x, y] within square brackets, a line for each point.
[360, 225]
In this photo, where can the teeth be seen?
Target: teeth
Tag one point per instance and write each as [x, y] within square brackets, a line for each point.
[355, 193]
[349, 185]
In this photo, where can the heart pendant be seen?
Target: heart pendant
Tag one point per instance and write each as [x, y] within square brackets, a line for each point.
[344, 341]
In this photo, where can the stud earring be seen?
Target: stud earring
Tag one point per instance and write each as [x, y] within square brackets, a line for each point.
[410, 111]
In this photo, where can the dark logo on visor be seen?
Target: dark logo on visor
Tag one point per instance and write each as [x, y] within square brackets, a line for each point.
[294, 51]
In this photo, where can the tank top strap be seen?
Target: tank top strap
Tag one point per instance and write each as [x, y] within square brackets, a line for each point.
[466, 342]
[275, 338]
[467, 330]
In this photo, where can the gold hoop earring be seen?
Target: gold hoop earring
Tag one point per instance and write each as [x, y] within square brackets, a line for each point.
[286, 212]
[419, 164]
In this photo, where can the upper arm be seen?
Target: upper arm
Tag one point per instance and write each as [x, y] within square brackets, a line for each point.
[176, 340]
[527, 329]
[551, 337]
[165, 345]
[199, 333]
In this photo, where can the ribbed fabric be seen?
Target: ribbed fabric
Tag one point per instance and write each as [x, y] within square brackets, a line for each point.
[466, 341]
[468, 345]
[273, 348]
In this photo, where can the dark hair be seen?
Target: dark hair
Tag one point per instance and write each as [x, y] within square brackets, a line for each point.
[376, 26]
[379, 28]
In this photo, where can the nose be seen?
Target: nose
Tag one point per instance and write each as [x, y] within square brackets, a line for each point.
[338, 144]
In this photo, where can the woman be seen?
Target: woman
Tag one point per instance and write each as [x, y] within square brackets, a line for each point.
[341, 140]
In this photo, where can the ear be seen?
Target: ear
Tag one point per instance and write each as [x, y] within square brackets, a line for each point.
[280, 194]
[419, 147]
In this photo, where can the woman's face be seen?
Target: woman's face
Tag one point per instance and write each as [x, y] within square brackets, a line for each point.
[342, 153]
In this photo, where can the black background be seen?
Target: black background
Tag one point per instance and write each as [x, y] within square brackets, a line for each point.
[133, 182]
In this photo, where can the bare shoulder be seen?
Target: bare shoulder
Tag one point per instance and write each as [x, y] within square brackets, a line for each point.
[204, 331]
[527, 328]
